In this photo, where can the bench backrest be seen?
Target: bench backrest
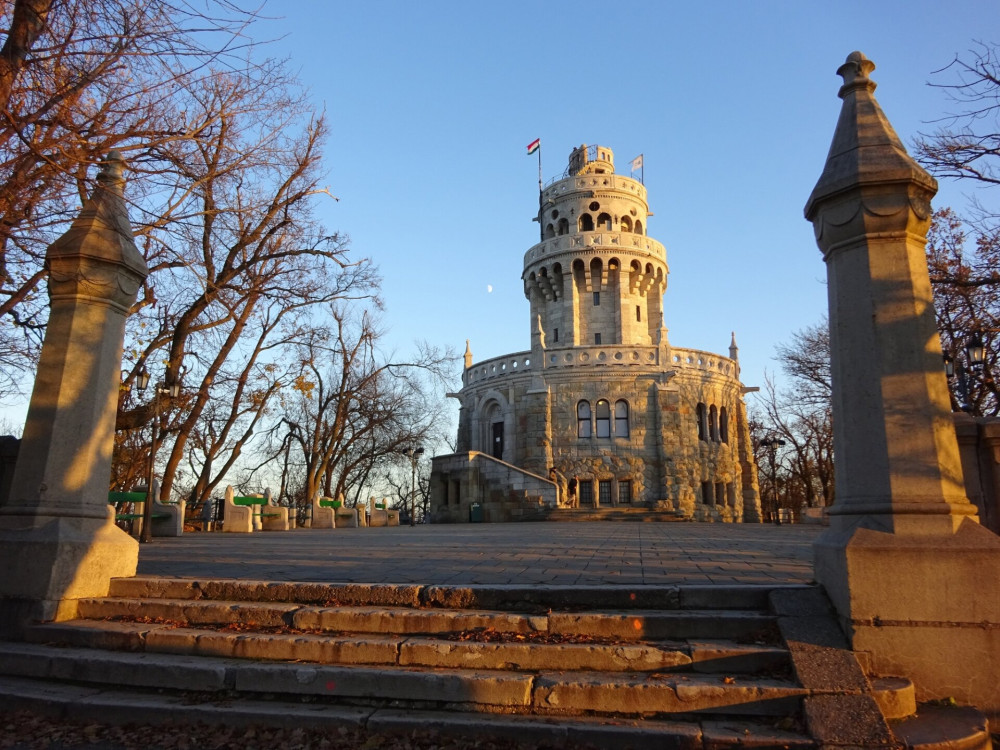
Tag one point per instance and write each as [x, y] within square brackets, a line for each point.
[249, 500]
[326, 502]
[126, 497]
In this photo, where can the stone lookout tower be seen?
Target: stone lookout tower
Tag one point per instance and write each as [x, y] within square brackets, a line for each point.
[602, 411]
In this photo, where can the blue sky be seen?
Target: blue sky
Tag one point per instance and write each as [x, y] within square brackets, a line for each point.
[733, 105]
[431, 105]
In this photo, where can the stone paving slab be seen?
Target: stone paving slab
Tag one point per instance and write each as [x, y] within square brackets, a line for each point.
[574, 554]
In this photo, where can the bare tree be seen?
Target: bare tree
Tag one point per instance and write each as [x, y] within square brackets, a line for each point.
[967, 304]
[963, 251]
[801, 416]
[967, 142]
[237, 265]
[78, 78]
[354, 411]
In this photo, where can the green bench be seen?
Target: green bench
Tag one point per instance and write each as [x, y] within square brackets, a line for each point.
[167, 519]
[241, 512]
[326, 502]
[253, 501]
[122, 500]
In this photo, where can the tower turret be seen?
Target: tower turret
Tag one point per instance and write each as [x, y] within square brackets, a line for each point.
[595, 279]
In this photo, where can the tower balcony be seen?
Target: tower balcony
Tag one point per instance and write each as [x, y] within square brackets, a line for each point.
[614, 355]
[565, 186]
[627, 243]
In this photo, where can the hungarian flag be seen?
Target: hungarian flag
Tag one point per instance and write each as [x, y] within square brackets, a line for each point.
[534, 146]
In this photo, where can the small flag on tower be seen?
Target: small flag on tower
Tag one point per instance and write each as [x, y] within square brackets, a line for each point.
[636, 163]
[534, 146]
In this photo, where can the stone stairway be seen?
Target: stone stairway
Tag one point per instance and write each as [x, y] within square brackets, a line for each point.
[668, 666]
[621, 513]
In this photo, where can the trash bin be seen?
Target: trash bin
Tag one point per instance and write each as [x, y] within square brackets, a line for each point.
[476, 513]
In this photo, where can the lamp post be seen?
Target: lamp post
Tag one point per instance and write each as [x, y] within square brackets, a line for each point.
[772, 444]
[414, 455]
[975, 356]
[172, 390]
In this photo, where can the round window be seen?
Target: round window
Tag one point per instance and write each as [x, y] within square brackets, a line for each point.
[594, 205]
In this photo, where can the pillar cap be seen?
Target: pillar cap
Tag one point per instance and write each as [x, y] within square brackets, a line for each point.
[865, 150]
[102, 231]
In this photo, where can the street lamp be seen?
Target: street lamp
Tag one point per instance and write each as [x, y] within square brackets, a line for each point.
[172, 390]
[975, 351]
[975, 358]
[772, 444]
[414, 455]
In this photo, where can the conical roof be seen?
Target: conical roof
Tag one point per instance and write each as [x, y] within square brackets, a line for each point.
[101, 230]
[865, 148]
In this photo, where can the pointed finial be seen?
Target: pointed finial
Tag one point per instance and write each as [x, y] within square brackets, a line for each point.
[734, 350]
[855, 72]
[112, 172]
[468, 355]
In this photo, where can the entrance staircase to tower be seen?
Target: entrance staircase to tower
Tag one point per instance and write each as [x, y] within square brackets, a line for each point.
[655, 666]
[620, 513]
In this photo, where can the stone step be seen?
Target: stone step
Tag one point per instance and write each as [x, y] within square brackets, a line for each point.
[116, 706]
[622, 625]
[564, 693]
[586, 513]
[509, 597]
[707, 657]
[944, 728]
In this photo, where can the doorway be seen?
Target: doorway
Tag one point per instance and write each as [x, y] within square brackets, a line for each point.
[496, 440]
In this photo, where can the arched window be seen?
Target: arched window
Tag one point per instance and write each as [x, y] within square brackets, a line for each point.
[713, 423]
[723, 425]
[563, 227]
[583, 419]
[626, 224]
[701, 415]
[621, 418]
[638, 227]
[586, 223]
[604, 221]
[603, 419]
[550, 231]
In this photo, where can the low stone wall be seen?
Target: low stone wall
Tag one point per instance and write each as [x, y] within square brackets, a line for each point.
[979, 447]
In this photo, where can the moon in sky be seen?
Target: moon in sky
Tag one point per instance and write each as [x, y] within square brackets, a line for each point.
[489, 288]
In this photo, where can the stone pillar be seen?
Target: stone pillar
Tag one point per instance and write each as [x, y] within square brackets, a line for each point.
[914, 577]
[750, 507]
[8, 460]
[58, 542]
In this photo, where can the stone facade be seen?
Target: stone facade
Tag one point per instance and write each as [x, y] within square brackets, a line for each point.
[602, 397]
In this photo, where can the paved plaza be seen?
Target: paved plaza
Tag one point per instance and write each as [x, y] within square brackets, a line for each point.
[585, 553]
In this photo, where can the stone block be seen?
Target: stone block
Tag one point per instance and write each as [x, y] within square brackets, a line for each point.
[496, 689]
[847, 721]
[388, 620]
[658, 694]
[50, 563]
[925, 606]
[529, 656]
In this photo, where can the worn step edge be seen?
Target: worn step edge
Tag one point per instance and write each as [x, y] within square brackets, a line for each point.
[704, 657]
[482, 596]
[547, 691]
[120, 707]
[633, 625]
